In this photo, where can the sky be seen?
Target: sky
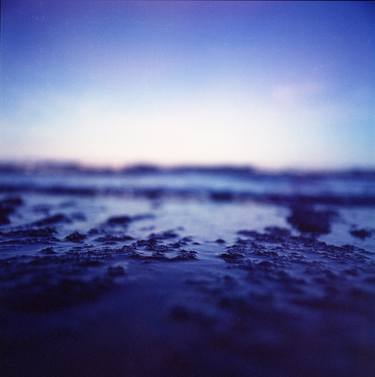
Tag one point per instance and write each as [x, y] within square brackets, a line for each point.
[270, 84]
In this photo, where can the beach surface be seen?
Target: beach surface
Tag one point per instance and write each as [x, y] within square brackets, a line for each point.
[186, 272]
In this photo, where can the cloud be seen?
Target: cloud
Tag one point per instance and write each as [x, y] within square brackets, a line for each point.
[292, 92]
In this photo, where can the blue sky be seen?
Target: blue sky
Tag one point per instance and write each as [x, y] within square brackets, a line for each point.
[273, 84]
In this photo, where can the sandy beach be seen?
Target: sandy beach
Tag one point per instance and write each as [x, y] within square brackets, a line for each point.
[186, 272]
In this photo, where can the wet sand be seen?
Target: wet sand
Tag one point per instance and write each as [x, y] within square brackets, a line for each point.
[186, 273]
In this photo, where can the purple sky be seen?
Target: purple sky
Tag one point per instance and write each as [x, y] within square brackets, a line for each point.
[274, 84]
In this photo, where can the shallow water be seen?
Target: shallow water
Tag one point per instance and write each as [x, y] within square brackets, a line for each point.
[187, 273]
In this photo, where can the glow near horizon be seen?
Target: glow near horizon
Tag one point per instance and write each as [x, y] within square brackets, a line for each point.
[269, 84]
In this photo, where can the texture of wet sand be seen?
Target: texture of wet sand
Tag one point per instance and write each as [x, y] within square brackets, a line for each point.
[204, 283]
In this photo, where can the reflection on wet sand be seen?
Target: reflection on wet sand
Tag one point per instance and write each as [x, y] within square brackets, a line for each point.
[231, 273]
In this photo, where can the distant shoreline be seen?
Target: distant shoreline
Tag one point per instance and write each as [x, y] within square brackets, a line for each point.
[145, 168]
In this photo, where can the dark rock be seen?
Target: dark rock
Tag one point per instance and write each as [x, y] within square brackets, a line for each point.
[306, 219]
[54, 219]
[185, 255]
[220, 240]
[361, 233]
[163, 235]
[7, 207]
[75, 237]
[231, 257]
[126, 220]
[119, 220]
[113, 239]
